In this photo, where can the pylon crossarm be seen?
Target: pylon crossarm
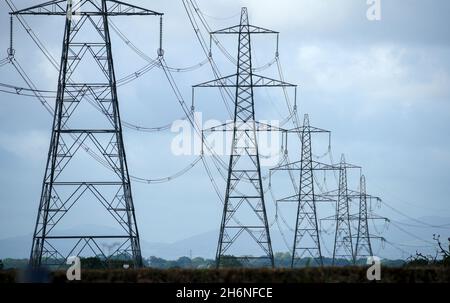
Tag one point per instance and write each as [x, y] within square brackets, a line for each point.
[297, 166]
[347, 166]
[121, 8]
[353, 193]
[237, 29]
[322, 198]
[310, 129]
[289, 166]
[257, 81]
[317, 198]
[47, 8]
[85, 8]
[322, 166]
[261, 81]
[350, 194]
[227, 81]
[260, 126]
[295, 198]
[245, 126]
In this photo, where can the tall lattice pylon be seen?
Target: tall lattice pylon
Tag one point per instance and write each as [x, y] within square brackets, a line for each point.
[306, 236]
[363, 246]
[69, 180]
[244, 215]
[343, 244]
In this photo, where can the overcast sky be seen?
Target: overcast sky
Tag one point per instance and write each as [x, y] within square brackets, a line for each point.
[382, 88]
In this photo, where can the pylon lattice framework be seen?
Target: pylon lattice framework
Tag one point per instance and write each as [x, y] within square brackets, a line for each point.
[343, 243]
[244, 197]
[306, 242]
[60, 191]
[363, 246]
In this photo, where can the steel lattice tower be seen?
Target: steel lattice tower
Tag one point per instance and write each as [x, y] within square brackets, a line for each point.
[306, 224]
[363, 246]
[306, 236]
[343, 246]
[244, 197]
[86, 34]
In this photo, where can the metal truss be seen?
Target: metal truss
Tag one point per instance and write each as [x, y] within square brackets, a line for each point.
[363, 246]
[343, 244]
[72, 132]
[306, 236]
[244, 198]
[258, 81]
[86, 8]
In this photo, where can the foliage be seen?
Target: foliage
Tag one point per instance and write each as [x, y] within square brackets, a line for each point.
[230, 262]
[282, 260]
[185, 270]
[441, 258]
[15, 263]
[246, 275]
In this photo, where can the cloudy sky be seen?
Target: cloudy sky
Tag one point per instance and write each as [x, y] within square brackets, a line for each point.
[382, 88]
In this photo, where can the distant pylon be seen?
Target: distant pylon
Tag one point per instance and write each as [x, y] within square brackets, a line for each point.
[244, 211]
[343, 246]
[66, 182]
[363, 247]
[306, 236]
[306, 224]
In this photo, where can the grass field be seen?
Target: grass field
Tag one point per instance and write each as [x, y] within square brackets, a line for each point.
[305, 275]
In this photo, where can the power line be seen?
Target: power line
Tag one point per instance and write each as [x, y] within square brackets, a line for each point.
[169, 178]
[411, 218]
[411, 234]
[444, 226]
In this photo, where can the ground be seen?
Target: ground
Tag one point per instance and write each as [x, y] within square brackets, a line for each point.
[432, 274]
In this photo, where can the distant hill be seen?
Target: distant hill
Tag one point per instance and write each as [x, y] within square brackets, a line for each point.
[204, 245]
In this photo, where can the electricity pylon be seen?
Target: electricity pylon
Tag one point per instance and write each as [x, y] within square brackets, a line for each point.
[363, 247]
[306, 236]
[244, 211]
[343, 247]
[66, 182]
[343, 244]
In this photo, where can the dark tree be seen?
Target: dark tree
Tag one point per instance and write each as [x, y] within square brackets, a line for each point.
[230, 262]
